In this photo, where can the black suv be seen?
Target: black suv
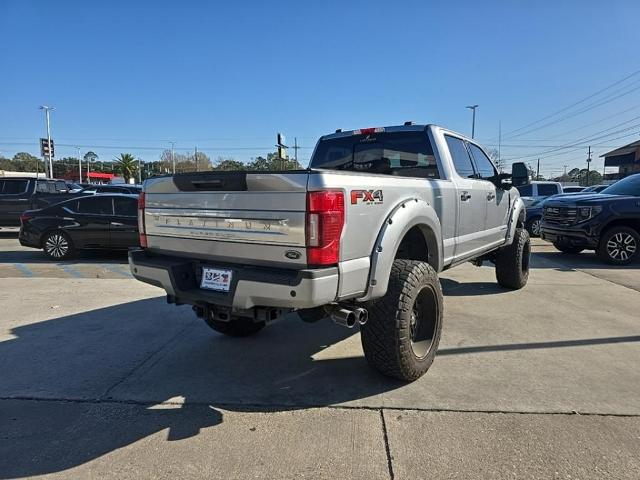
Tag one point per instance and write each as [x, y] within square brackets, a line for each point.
[608, 222]
[18, 194]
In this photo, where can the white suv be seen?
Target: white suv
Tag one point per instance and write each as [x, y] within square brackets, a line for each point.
[538, 190]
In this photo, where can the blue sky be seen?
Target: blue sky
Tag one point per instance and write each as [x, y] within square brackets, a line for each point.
[226, 76]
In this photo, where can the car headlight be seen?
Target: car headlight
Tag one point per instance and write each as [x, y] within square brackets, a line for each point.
[585, 213]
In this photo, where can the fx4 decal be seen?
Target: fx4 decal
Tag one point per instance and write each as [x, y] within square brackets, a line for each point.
[369, 197]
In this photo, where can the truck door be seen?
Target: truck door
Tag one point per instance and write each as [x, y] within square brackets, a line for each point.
[497, 199]
[471, 200]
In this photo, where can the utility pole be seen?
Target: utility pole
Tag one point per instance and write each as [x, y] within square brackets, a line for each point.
[588, 162]
[139, 172]
[295, 149]
[500, 143]
[564, 175]
[538, 171]
[173, 158]
[195, 157]
[473, 121]
[79, 166]
[47, 109]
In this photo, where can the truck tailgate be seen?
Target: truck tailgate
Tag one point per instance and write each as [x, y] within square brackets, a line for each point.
[237, 217]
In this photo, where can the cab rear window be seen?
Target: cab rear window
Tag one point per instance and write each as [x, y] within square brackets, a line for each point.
[405, 154]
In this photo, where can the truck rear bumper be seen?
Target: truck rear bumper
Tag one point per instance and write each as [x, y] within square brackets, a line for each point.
[250, 286]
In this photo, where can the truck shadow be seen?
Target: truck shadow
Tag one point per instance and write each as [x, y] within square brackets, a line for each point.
[78, 387]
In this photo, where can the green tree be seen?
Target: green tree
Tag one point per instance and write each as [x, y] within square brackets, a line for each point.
[273, 163]
[229, 164]
[126, 165]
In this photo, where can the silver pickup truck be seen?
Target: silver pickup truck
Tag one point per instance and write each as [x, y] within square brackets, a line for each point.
[359, 236]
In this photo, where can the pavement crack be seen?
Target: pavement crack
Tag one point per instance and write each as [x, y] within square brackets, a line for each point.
[387, 449]
[143, 362]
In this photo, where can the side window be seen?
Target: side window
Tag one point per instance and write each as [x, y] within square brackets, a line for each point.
[124, 206]
[61, 186]
[525, 190]
[14, 187]
[460, 156]
[546, 189]
[96, 205]
[486, 170]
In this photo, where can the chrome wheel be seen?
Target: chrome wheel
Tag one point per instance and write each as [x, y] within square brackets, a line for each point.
[621, 246]
[56, 246]
[535, 227]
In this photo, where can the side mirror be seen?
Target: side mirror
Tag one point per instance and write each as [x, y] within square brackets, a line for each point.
[519, 174]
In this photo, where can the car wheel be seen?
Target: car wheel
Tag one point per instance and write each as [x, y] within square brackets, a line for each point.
[533, 227]
[235, 327]
[619, 245]
[512, 261]
[401, 336]
[571, 249]
[57, 245]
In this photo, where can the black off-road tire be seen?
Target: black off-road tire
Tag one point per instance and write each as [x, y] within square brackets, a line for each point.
[512, 261]
[627, 241]
[57, 245]
[236, 327]
[401, 337]
[570, 249]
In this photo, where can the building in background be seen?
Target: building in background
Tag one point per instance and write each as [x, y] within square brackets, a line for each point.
[626, 159]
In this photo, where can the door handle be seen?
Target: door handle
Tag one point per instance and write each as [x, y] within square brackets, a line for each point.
[491, 196]
[465, 196]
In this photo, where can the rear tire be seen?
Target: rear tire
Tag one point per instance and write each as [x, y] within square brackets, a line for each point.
[236, 327]
[57, 245]
[512, 261]
[570, 249]
[401, 336]
[619, 245]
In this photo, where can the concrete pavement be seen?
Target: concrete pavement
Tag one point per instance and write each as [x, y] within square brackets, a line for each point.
[101, 378]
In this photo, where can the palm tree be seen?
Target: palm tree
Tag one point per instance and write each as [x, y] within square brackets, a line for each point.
[126, 164]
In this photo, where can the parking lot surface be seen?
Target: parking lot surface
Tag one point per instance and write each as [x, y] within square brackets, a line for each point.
[101, 378]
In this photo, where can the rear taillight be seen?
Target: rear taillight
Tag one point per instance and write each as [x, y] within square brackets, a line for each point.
[24, 218]
[325, 220]
[141, 229]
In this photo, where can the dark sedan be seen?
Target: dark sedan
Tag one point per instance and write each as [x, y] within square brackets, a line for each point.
[106, 221]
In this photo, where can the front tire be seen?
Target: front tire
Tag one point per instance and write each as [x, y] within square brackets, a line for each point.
[512, 261]
[401, 336]
[57, 245]
[533, 227]
[619, 245]
[236, 326]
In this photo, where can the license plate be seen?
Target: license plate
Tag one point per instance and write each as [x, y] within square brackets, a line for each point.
[216, 279]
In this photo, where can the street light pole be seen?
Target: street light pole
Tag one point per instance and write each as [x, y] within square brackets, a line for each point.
[47, 109]
[173, 158]
[79, 166]
[473, 121]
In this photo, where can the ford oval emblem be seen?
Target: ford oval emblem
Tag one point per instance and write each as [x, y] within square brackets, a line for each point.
[292, 254]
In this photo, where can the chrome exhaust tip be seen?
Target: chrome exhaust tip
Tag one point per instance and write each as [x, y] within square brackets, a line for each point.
[362, 315]
[344, 317]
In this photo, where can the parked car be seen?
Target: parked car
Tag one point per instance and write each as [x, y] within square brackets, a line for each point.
[595, 188]
[607, 222]
[74, 187]
[106, 221]
[124, 188]
[18, 194]
[538, 190]
[572, 189]
[360, 236]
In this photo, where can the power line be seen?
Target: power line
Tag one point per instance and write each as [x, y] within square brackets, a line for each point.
[589, 107]
[574, 104]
